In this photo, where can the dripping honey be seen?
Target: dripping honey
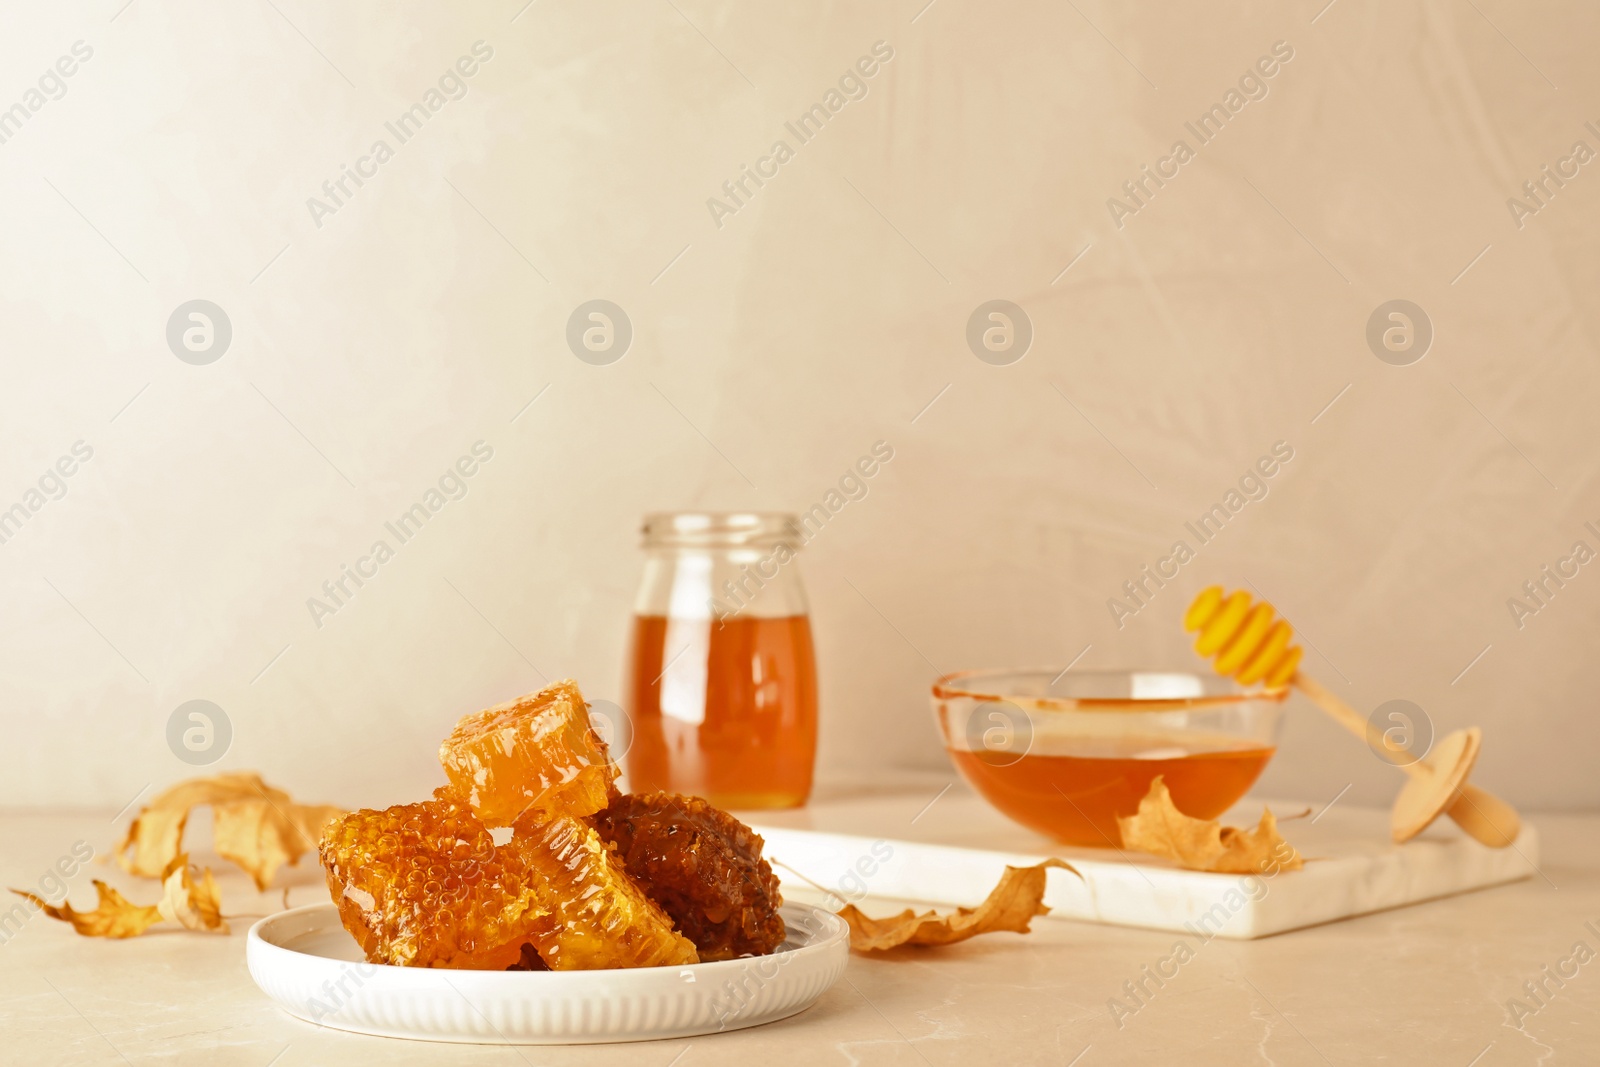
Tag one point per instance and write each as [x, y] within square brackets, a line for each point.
[724, 709]
[1075, 789]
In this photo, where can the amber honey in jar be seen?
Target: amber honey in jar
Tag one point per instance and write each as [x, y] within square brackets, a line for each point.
[721, 671]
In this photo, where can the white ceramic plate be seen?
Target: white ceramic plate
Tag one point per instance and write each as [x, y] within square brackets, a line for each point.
[306, 961]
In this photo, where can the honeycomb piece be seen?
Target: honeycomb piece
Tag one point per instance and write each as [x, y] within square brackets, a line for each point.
[421, 885]
[534, 757]
[595, 916]
[703, 867]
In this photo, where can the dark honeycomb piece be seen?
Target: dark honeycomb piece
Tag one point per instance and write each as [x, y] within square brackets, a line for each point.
[703, 867]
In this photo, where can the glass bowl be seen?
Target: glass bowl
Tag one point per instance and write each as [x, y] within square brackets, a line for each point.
[1067, 752]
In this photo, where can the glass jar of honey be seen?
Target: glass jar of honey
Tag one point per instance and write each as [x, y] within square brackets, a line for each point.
[722, 673]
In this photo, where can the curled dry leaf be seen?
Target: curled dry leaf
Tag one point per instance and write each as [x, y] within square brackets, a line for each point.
[194, 906]
[1159, 828]
[254, 825]
[1011, 905]
[183, 901]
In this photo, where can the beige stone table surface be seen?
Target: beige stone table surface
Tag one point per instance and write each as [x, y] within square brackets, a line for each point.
[1421, 985]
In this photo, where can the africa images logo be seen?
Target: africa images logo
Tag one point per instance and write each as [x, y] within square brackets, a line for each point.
[452, 85]
[52, 85]
[1253, 85]
[452, 485]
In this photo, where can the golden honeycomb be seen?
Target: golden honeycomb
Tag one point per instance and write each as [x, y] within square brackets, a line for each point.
[576, 885]
[593, 914]
[421, 885]
[532, 758]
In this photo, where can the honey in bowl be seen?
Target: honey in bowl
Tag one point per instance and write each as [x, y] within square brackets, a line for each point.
[1076, 795]
[1068, 754]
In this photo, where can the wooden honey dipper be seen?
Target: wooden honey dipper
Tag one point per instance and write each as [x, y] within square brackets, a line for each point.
[1247, 644]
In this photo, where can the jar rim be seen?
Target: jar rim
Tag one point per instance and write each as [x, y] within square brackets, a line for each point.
[719, 529]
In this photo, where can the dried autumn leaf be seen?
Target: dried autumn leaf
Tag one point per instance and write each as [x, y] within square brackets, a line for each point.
[1011, 905]
[190, 905]
[1159, 828]
[114, 916]
[183, 901]
[254, 825]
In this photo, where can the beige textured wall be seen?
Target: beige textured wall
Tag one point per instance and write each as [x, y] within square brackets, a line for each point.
[372, 350]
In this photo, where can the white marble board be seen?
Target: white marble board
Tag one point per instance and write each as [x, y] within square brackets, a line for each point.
[953, 851]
